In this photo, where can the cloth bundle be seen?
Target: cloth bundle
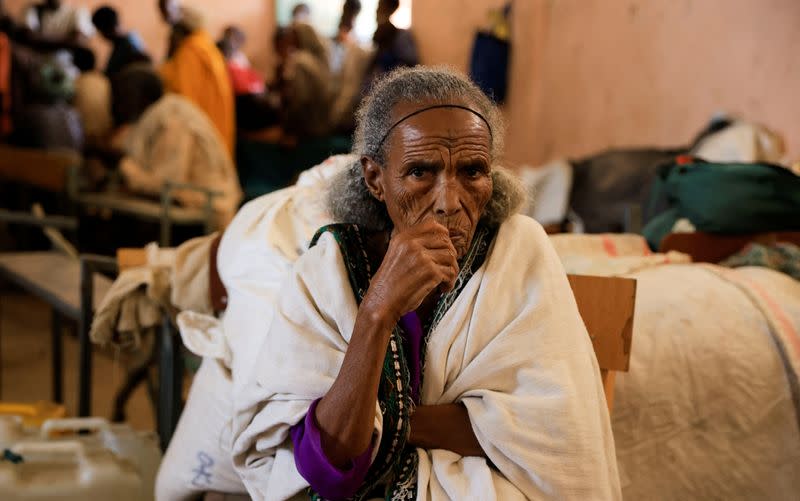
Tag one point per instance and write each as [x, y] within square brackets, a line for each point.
[172, 278]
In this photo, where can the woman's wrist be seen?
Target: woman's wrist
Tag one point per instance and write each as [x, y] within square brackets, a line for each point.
[378, 313]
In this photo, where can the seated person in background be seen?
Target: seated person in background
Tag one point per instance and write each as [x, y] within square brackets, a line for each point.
[256, 110]
[92, 99]
[349, 63]
[6, 23]
[196, 69]
[394, 48]
[59, 23]
[244, 78]
[301, 13]
[44, 118]
[305, 87]
[430, 269]
[127, 47]
[168, 138]
[344, 37]
[6, 27]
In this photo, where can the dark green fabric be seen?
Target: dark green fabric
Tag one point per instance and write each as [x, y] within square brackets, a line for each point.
[266, 167]
[727, 199]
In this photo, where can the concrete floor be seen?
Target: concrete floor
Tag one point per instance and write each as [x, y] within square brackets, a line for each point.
[25, 364]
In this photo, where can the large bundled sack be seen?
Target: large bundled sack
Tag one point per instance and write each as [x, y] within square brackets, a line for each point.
[607, 185]
[725, 198]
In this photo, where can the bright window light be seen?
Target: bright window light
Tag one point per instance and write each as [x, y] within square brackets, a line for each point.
[325, 16]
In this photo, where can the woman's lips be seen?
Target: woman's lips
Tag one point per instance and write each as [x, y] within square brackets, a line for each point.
[456, 235]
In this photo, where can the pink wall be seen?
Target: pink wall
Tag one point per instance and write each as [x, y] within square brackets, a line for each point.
[586, 74]
[257, 17]
[591, 74]
[444, 29]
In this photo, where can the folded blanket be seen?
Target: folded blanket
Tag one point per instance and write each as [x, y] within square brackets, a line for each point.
[132, 305]
[172, 279]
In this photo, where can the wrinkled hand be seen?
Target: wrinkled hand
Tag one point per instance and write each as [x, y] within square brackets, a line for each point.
[419, 260]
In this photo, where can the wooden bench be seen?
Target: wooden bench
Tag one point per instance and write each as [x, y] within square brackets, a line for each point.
[56, 279]
[165, 212]
[47, 170]
[58, 172]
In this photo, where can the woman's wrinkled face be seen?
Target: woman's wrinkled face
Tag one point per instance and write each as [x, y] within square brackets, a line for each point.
[438, 165]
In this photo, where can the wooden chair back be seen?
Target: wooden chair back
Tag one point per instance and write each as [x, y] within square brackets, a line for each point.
[48, 170]
[607, 305]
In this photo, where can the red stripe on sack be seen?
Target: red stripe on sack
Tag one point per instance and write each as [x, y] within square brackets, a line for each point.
[647, 251]
[780, 316]
[609, 246]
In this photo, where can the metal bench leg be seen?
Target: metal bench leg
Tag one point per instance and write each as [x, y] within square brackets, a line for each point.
[170, 375]
[84, 344]
[57, 331]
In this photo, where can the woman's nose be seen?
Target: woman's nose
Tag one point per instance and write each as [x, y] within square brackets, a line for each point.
[448, 201]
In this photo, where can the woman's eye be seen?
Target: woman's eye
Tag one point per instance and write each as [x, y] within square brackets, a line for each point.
[473, 172]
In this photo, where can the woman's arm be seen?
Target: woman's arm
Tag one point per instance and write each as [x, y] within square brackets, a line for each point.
[444, 427]
[346, 414]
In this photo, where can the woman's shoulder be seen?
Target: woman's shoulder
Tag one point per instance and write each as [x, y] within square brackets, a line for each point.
[522, 239]
[523, 228]
[334, 263]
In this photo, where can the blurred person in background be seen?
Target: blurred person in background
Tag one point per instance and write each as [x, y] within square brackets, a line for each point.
[394, 47]
[304, 83]
[349, 62]
[344, 38]
[6, 29]
[7, 24]
[196, 69]
[59, 23]
[166, 138]
[47, 120]
[301, 13]
[127, 47]
[244, 78]
[302, 92]
[92, 99]
[256, 109]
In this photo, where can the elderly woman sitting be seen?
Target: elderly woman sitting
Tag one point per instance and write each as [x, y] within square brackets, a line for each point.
[428, 345]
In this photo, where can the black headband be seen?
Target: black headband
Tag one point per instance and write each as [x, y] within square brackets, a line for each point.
[433, 107]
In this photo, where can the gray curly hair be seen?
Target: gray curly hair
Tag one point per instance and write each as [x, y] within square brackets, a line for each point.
[350, 201]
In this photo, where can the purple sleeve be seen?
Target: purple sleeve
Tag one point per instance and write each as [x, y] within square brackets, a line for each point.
[312, 463]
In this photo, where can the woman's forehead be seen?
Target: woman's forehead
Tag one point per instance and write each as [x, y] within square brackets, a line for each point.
[436, 121]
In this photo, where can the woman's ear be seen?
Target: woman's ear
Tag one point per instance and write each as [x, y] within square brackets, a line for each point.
[373, 177]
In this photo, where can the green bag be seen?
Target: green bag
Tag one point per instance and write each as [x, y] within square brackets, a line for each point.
[725, 198]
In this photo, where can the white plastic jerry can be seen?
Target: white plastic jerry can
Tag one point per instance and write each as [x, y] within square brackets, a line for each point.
[140, 449]
[67, 470]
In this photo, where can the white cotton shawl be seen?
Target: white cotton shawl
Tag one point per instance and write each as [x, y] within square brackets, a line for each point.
[512, 348]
